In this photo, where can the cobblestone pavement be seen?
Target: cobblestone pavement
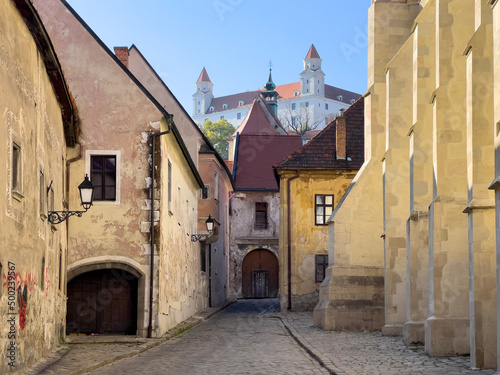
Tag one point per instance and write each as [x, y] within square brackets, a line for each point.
[252, 337]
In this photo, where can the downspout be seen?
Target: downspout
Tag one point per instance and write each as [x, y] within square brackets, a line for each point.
[151, 218]
[209, 275]
[289, 237]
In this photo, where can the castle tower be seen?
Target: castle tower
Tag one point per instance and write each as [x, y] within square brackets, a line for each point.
[204, 93]
[312, 79]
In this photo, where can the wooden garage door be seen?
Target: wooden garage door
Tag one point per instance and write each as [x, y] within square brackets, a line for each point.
[103, 302]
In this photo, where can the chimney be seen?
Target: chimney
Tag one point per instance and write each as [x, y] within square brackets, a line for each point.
[122, 53]
[340, 136]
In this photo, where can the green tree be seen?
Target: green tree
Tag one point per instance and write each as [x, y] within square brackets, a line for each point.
[218, 132]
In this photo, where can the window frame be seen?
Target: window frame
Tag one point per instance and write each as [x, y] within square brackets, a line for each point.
[320, 266]
[103, 173]
[324, 205]
[258, 224]
[117, 155]
[216, 186]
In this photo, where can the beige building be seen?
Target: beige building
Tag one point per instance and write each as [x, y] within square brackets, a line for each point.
[312, 182]
[123, 277]
[37, 124]
[419, 216]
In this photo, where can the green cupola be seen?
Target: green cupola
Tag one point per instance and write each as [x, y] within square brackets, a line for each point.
[270, 95]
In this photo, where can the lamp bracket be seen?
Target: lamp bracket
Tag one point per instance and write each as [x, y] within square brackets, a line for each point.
[57, 217]
[198, 237]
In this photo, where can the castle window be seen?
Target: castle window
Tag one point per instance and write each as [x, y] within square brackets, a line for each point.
[222, 117]
[293, 106]
[238, 116]
[307, 104]
[321, 261]
[241, 102]
[340, 97]
[211, 109]
[294, 120]
[295, 93]
[352, 101]
[326, 106]
[224, 106]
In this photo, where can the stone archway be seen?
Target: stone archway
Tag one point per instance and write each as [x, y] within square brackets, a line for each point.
[103, 301]
[260, 275]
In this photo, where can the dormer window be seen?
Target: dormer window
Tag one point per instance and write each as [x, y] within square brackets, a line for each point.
[224, 106]
[296, 93]
[211, 109]
[241, 102]
[340, 97]
[352, 101]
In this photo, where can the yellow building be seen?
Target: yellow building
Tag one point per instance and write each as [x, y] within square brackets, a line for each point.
[37, 124]
[312, 182]
[420, 214]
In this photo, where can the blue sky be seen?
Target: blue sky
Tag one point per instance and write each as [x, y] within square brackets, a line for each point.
[236, 39]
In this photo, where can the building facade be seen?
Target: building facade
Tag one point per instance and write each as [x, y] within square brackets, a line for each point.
[132, 267]
[417, 224]
[308, 100]
[37, 126]
[254, 206]
[312, 182]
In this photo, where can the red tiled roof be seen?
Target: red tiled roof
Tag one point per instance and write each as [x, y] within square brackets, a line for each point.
[203, 76]
[286, 91]
[260, 119]
[320, 152]
[256, 156]
[312, 54]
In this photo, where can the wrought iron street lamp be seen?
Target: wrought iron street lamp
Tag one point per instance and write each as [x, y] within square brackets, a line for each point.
[210, 229]
[86, 197]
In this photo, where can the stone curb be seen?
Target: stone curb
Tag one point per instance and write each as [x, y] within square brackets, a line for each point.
[176, 331]
[304, 344]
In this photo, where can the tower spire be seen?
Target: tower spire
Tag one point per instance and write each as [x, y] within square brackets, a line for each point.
[269, 94]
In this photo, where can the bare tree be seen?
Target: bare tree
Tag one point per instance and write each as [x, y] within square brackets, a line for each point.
[299, 119]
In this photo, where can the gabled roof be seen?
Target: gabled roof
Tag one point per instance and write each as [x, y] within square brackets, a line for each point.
[286, 91]
[52, 66]
[204, 76]
[256, 155]
[312, 54]
[320, 152]
[260, 119]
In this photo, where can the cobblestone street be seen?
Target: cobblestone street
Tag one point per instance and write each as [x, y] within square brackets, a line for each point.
[253, 337]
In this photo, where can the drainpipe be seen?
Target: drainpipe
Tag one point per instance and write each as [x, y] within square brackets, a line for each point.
[151, 218]
[289, 237]
[209, 275]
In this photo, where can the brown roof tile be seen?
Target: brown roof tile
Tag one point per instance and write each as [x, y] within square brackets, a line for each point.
[260, 120]
[312, 54]
[256, 155]
[204, 76]
[320, 152]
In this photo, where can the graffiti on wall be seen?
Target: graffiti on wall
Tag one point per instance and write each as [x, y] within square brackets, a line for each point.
[21, 285]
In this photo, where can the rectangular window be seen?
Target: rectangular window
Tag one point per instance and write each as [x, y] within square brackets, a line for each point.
[216, 186]
[222, 117]
[238, 116]
[293, 106]
[203, 258]
[206, 192]
[169, 186]
[16, 168]
[323, 208]
[260, 215]
[326, 106]
[321, 266]
[294, 120]
[103, 177]
[307, 104]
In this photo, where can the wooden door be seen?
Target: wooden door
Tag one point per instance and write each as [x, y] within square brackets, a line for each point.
[259, 283]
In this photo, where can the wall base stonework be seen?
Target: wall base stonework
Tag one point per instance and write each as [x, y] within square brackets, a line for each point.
[351, 298]
[392, 330]
[447, 337]
[414, 333]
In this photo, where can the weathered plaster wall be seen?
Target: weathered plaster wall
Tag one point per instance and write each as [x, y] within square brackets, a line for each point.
[307, 239]
[244, 238]
[33, 252]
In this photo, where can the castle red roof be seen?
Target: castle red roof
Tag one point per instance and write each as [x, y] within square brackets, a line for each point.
[312, 54]
[204, 76]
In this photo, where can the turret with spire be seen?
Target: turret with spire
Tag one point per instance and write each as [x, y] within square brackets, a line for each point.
[270, 95]
[312, 79]
[204, 93]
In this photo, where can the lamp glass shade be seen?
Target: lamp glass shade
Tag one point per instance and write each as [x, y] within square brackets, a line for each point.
[86, 192]
[210, 224]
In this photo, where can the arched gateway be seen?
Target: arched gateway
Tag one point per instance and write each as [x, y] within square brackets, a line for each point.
[260, 275]
[102, 301]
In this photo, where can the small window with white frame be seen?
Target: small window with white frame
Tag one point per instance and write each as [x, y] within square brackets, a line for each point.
[296, 93]
[340, 98]
[241, 102]
[211, 109]
[206, 191]
[323, 207]
[103, 167]
[224, 106]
